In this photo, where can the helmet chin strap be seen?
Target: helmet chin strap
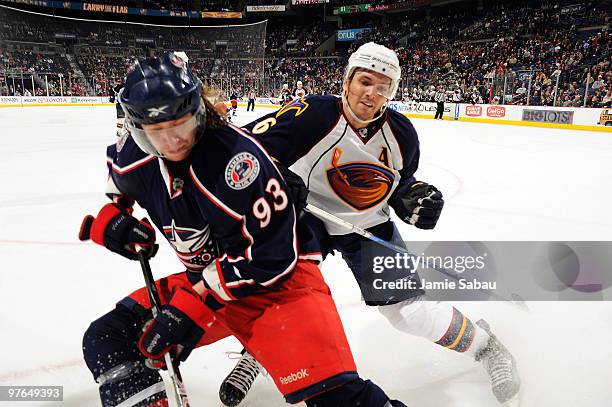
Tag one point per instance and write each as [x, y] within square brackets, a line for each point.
[346, 107]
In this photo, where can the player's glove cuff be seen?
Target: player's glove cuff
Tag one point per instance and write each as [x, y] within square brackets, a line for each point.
[117, 230]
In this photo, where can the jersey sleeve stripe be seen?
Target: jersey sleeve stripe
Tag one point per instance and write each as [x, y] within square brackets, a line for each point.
[111, 187]
[398, 143]
[228, 211]
[214, 279]
[316, 257]
[168, 180]
[213, 198]
[132, 166]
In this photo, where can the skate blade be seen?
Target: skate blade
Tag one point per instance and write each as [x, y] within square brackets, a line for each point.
[514, 401]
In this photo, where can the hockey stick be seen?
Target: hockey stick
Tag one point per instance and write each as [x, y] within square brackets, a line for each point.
[320, 213]
[178, 388]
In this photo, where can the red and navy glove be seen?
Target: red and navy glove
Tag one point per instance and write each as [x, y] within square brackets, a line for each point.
[117, 230]
[420, 205]
[177, 328]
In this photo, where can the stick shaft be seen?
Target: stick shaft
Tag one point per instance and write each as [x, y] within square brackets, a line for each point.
[178, 388]
[320, 213]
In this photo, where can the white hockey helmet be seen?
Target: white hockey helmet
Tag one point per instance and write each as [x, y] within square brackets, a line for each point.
[379, 59]
[285, 86]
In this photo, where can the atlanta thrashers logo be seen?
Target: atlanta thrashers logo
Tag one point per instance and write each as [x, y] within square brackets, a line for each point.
[362, 185]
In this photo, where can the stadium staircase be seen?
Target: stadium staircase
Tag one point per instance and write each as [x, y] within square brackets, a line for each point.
[80, 75]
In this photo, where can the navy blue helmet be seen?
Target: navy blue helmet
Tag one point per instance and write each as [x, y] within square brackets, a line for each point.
[160, 89]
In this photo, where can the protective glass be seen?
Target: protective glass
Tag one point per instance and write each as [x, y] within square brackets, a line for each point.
[181, 131]
[149, 139]
[386, 89]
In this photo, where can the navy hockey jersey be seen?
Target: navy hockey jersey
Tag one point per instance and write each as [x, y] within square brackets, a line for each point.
[229, 193]
[353, 173]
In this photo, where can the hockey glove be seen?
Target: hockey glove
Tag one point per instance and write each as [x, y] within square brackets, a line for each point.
[117, 230]
[296, 186]
[420, 205]
[177, 328]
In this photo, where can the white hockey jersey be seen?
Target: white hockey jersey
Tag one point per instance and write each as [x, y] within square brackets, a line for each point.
[354, 174]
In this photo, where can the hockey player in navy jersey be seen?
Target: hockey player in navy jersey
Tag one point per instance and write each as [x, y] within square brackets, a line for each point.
[358, 160]
[219, 200]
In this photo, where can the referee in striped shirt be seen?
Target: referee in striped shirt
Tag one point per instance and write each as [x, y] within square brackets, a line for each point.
[439, 99]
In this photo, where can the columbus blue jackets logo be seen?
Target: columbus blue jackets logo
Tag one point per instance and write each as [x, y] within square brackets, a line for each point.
[361, 185]
[195, 248]
[241, 171]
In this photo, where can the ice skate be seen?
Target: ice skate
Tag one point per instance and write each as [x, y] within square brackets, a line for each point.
[501, 368]
[237, 384]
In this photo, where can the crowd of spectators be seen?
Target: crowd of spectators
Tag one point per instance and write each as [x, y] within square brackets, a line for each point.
[310, 38]
[541, 53]
[27, 73]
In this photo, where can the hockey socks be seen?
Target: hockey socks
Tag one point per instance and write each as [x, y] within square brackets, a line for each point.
[439, 322]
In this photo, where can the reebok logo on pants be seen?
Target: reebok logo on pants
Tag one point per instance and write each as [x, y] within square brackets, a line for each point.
[294, 377]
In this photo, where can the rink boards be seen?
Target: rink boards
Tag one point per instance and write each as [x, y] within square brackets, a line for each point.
[571, 118]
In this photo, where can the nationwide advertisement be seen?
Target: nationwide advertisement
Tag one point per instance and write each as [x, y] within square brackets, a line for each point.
[84, 99]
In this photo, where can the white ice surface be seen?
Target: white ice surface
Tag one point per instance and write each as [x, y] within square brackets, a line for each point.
[500, 183]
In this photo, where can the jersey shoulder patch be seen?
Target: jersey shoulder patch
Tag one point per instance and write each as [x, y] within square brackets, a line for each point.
[242, 170]
[227, 153]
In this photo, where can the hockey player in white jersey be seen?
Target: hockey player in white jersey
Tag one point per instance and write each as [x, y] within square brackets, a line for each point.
[299, 91]
[357, 159]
